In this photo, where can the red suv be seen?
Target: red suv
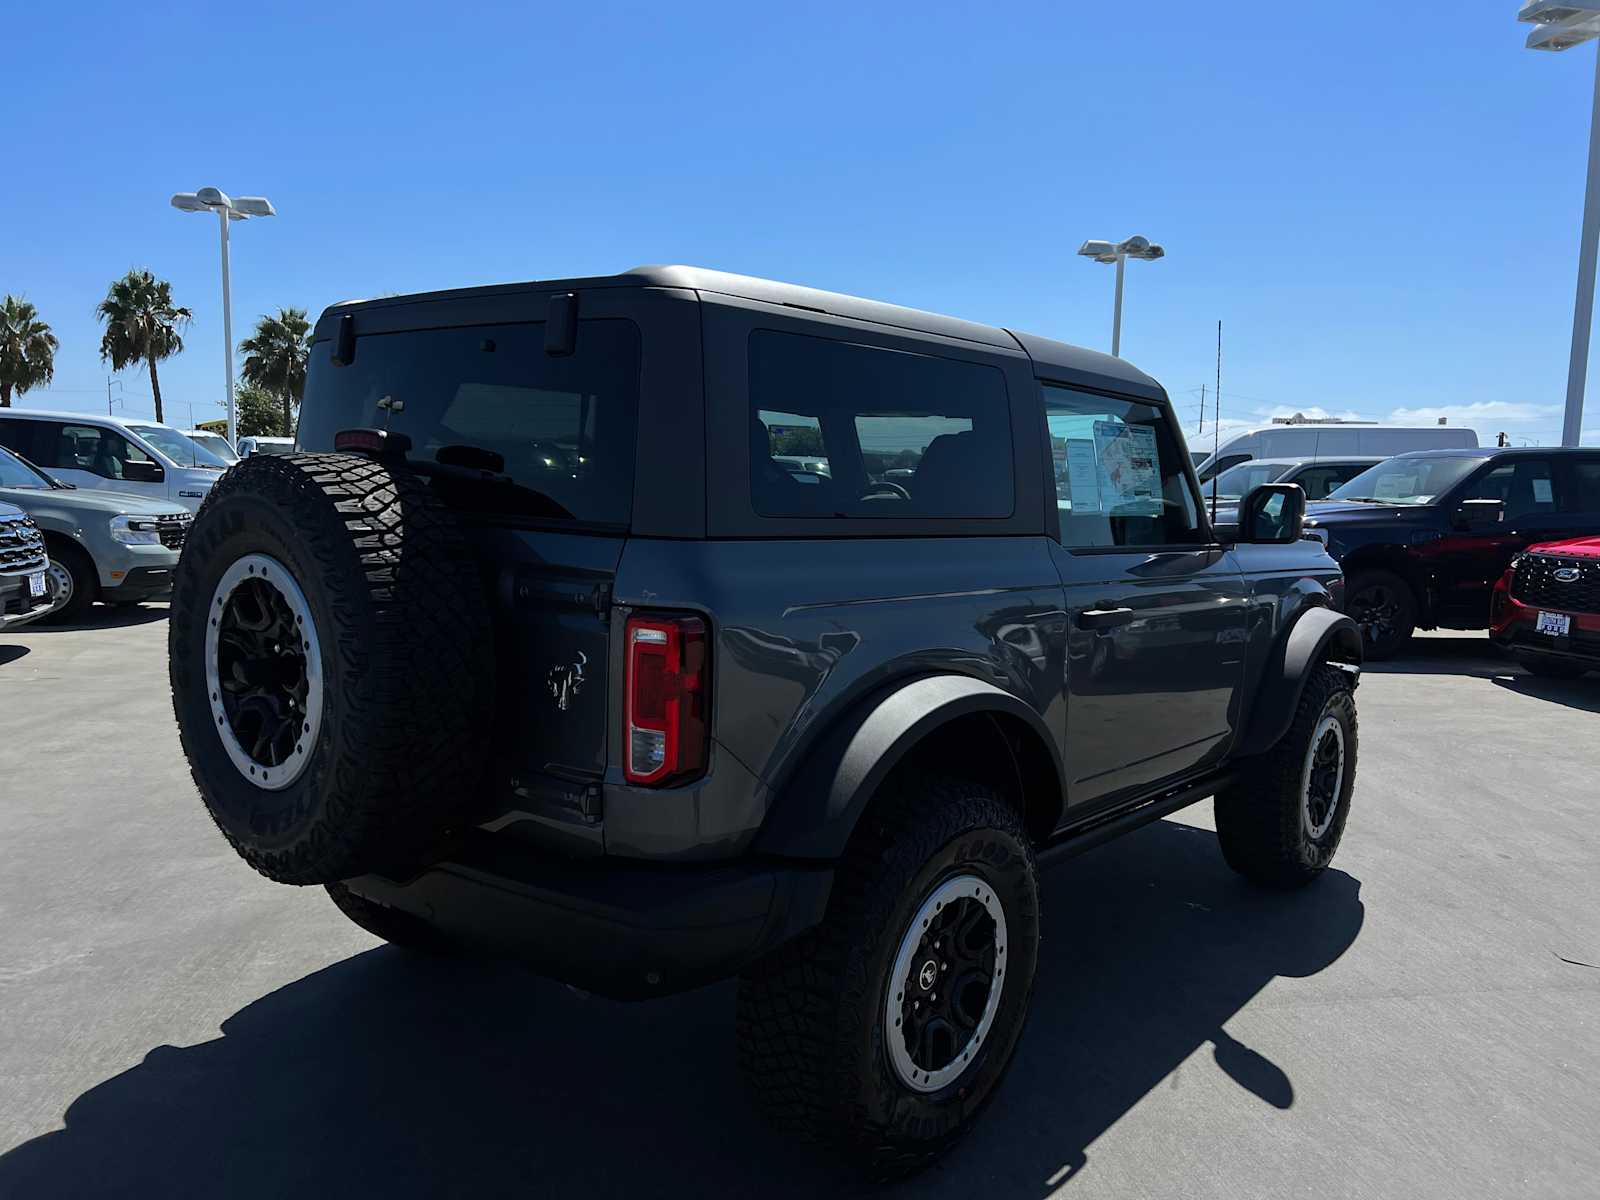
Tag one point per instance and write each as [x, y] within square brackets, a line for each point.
[1546, 608]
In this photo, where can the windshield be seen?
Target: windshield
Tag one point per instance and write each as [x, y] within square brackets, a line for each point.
[1407, 480]
[14, 473]
[181, 450]
[1237, 481]
[216, 444]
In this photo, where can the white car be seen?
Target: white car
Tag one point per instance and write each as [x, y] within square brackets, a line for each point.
[1329, 440]
[265, 445]
[133, 456]
[214, 442]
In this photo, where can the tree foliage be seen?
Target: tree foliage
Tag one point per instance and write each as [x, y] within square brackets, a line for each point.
[142, 325]
[275, 360]
[259, 412]
[27, 349]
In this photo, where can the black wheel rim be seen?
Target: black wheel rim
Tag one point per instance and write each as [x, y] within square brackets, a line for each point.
[1378, 612]
[262, 669]
[1324, 776]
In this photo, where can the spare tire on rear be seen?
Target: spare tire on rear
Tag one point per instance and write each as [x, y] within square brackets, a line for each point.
[331, 666]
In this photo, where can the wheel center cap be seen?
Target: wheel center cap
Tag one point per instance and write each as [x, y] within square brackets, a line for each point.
[928, 976]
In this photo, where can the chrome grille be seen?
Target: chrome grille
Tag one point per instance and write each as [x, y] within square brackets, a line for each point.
[1535, 583]
[21, 546]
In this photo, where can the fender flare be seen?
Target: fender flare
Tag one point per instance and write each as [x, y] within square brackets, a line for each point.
[1306, 643]
[813, 814]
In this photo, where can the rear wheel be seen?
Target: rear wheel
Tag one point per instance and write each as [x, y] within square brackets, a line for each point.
[1550, 668]
[72, 578]
[1384, 608]
[1280, 824]
[885, 1031]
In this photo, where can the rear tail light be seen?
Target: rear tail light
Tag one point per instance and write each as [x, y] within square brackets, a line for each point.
[668, 691]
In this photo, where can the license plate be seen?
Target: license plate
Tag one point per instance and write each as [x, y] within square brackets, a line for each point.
[1556, 624]
[36, 584]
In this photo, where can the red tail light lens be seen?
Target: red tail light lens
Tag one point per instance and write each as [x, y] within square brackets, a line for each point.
[668, 691]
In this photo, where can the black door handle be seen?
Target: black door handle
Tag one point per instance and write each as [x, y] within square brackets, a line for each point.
[1104, 618]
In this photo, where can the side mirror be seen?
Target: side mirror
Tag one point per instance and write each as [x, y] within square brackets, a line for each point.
[1479, 514]
[143, 472]
[1272, 513]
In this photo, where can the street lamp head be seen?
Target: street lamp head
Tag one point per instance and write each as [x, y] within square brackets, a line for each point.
[212, 198]
[254, 206]
[1099, 251]
[1109, 252]
[188, 202]
[1140, 247]
[1553, 12]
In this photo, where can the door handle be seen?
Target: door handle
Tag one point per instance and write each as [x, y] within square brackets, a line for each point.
[1104, 618]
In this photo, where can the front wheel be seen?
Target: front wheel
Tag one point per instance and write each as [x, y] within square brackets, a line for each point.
[71, 581]
[1280, 824]
[1383, 607]
[885, 1031]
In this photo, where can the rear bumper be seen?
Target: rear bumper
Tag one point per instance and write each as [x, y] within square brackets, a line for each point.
[624, 929]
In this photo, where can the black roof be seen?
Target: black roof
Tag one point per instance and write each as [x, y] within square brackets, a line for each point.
[1055, 359]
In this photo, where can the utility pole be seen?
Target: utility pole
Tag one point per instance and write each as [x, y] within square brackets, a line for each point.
[109, 381]
[1201, 431]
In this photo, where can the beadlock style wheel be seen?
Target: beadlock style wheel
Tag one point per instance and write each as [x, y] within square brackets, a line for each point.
[263, 667]
[1323, 777]
[944, 989]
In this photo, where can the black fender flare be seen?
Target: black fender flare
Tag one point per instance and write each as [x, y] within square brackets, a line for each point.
[813, 814]
[1319, 634]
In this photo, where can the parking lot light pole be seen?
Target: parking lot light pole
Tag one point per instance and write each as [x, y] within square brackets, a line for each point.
[1119, 253]
[227, 210]
[1560, 26]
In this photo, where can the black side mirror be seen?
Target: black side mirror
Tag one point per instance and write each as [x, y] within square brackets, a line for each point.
[1272, 513]
[143, 472]
[1479, 514]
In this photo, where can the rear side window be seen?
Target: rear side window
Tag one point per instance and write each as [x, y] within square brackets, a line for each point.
[34, 440]
[845, 430]
[547, 437]
[1586, 486]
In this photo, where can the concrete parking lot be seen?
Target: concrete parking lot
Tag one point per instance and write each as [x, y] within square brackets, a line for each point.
[1423, 1022]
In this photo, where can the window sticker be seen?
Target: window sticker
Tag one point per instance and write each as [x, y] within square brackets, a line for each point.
[1083, 476]
[1129, 483]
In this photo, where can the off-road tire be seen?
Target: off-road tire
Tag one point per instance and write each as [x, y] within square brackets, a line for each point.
[402, 623]
[1549, 668]
[1400, 625]
[812, 1036]
[75, 561]
[1261, 819]
[393, 926]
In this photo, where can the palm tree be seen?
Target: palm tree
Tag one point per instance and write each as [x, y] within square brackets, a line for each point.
[142, 323]
[27, 349]
[276, 357]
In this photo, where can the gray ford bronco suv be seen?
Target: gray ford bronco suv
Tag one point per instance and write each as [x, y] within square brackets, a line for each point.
[674, 625]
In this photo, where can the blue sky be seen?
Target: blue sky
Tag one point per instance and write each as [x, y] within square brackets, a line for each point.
[1381, 203]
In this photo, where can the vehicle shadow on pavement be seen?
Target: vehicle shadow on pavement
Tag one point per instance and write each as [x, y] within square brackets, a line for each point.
[105, 616]
[1471, 654]
[10, 654]
[1582, 694]
[394, 1075]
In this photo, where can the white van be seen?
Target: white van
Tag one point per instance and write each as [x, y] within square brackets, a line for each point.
[131, 456]
[1311, 441]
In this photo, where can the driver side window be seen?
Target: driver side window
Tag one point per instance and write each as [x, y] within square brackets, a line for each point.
[1525, 485]
[1119, 472]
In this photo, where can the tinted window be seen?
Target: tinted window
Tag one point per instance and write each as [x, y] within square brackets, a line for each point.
[34, 440]
[102, 452]
[1236, 481]
[531, 434]
[1405, 480]
[1524, 484]
[1585, 486]
[14, 473]
[841, 430]
[1118, 472]
[1318, 480]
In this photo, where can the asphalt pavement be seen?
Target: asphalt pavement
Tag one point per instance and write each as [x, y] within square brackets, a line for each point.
[1423, 1022]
